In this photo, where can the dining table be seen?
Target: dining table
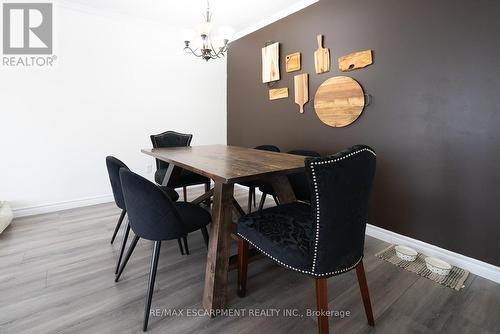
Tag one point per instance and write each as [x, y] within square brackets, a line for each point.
[227, 165]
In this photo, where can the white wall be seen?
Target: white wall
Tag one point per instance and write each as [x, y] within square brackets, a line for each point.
[117, 81]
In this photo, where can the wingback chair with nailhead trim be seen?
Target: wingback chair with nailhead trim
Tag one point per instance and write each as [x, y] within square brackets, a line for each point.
[323, 239]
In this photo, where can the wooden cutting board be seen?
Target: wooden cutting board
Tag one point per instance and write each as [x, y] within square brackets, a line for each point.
[321, 57]
[301, 84]
[292, 62]
[355, 60]
[278, 93]
[339, 101]
[270, 63]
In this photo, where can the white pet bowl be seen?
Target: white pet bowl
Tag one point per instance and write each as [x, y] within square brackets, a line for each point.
[437, 266]
[406, 253]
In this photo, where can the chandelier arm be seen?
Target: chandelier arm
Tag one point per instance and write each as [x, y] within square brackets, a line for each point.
[188, 50]
[221, 52]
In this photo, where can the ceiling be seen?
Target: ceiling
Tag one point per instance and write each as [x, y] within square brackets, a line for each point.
[186, 13]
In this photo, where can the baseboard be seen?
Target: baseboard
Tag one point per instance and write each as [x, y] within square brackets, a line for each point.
[59, 206]
[65, 205]
[474, 266]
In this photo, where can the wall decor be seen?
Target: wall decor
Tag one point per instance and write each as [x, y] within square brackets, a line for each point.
[321, 57]
[301, 87]
[339, 101]
[292, 62]
[278, 93]
[355, 60]
[270, 63]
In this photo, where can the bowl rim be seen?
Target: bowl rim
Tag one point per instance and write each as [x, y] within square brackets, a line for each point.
[406, 250]
[438, 263]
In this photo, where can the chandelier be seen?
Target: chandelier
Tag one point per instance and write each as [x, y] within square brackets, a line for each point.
[207, 46]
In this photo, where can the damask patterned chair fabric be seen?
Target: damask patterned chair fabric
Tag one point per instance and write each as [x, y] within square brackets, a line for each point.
[326, 237]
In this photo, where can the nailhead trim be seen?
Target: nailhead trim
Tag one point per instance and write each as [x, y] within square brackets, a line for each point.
[301, 270]
[316, 194]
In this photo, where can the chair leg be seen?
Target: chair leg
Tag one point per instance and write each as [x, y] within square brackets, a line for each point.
[127, 257]
[363, 287]
[322, 304]
[151, 285]
[242, 267]
[186, 248]
[276, 200]
[120, 220]
[204, 231]
[253, 195]
[122, 250]
[180, 246]
[262, 201]
[184, 192]
[250, 200]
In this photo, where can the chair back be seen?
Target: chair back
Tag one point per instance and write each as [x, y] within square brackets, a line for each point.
[169, 139]
[113, 165]
[341, 185]
[151, 213]
[270, 148]
[298, 181]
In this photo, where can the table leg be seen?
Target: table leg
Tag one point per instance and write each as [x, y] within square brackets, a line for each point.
[166, 178]
[283, 189]
[214, 294]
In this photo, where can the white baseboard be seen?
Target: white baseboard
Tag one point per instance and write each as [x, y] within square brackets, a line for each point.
[474, 266]
[65, 205]
[59, 206]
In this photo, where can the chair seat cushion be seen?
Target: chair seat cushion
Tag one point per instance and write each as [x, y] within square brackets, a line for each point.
[283, 233]
[185, 178]
[193, 216]
[171, 193]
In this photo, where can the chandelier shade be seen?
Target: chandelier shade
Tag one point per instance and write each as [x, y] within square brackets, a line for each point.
[202, 43]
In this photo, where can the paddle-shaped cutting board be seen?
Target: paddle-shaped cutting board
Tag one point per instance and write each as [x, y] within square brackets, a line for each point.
[339, 101]
[321, 57]
[301, 83]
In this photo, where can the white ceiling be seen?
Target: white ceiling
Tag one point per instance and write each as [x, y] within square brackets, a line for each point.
[186, 13]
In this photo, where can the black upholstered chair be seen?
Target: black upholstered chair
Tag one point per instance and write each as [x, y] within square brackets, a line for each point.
[298, 181]
[114, 165]
[154, 216]
[323, 239]
[252, 185]
[179, 177]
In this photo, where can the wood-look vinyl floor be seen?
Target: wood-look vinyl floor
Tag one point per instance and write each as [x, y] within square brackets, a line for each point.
[57, 276]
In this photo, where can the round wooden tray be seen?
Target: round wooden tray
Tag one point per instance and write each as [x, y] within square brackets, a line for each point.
[339, 101]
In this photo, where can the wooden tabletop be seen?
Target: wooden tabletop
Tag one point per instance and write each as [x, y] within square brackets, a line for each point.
[229, 164]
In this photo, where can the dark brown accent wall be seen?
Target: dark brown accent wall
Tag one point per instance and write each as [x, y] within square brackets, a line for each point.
[434, 119]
